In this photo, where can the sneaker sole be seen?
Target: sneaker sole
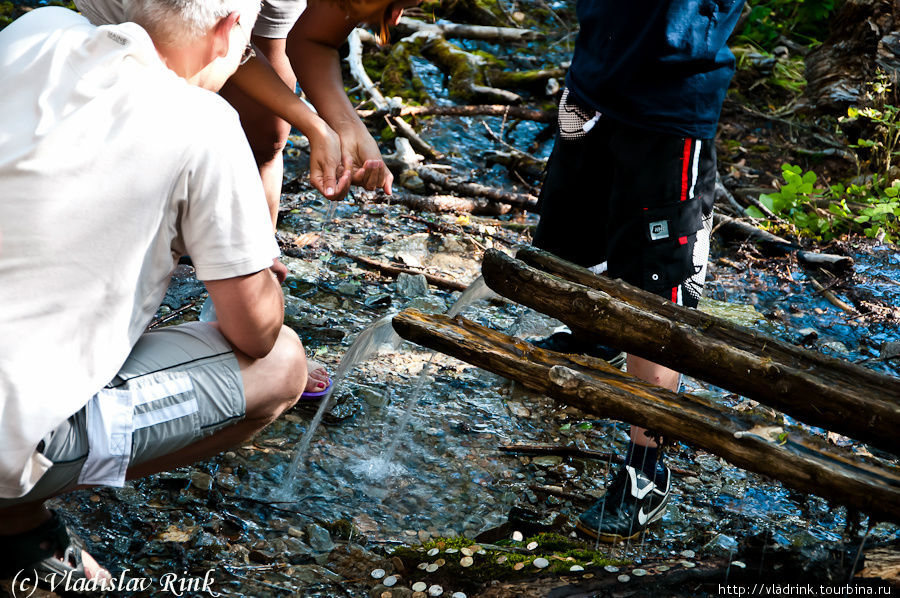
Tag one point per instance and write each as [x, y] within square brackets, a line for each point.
[613, 538]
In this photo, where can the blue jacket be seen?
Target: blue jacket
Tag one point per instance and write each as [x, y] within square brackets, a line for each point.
[660, 65]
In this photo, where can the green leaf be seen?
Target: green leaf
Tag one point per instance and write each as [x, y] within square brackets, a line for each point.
[767, 200]
[809, 177]
[754, 212]
[891, 191]
[861, 219]
[852, 112]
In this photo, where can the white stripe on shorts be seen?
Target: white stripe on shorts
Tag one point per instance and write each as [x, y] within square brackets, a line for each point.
[111, 422]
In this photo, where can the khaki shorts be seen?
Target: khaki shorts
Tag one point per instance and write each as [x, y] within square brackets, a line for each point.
[179, 384]
[276, 17]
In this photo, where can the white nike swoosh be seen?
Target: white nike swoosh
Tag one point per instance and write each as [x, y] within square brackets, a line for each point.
[642, 518]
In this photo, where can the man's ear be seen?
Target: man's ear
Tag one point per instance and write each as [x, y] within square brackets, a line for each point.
[221, 34]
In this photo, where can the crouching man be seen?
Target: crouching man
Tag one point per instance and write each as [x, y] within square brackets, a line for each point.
[116, 158]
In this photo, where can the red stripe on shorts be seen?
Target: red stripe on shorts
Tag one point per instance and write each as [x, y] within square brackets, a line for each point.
[674, 294]
[685, 168]
[682, 240]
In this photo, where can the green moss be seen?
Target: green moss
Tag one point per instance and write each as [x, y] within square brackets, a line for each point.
[342, 529]
[398, 78]
[532, 79]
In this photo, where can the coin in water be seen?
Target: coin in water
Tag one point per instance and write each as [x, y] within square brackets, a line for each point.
[432, 552]
[517, 536]
[519, 565]
[419, 586]
[501, 559]
[390, 580]
[466, 561]
[431, 568]
[541, 562]
[611, 568]
[639, 572]
[623, 578]
[576, 568]
[435, 590]
[532, 545]
[378, 573]
[458, 595]
[688, 554]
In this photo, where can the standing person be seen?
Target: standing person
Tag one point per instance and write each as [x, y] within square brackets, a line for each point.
[304, 49]
[114, 142]
[630, 183]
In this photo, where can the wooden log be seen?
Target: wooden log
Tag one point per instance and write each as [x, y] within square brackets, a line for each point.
[798, 459]
[817, 389]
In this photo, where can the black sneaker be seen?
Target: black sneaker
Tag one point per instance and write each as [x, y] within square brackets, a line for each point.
[566, 342]
[631, 503]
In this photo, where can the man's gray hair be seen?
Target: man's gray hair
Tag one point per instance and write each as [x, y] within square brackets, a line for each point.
[193, 18]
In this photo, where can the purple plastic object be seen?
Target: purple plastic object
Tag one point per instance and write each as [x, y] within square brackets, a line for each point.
[311, 396]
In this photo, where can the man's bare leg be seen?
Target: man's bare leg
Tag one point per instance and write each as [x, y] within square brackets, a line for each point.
[271, 385]
[655, 374]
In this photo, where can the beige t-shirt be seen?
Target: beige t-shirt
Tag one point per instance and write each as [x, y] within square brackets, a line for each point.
[111, 167]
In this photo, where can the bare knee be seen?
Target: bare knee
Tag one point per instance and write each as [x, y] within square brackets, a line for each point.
[273, 384]
[268, 138]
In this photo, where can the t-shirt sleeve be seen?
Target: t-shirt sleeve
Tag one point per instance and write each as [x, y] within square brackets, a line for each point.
[226, 226]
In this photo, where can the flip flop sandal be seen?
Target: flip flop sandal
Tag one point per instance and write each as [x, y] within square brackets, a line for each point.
[315, 396]
[24, 552]
[318, 394]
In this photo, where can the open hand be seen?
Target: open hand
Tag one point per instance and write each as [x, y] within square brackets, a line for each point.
[327, 171]
[362, 159]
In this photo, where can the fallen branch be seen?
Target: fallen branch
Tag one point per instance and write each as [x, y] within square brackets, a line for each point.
[740, 229]
[819, 390]
[504, 110]
[394, 271]
[796, 458]
[445, 203]
[408, 26]
[831, 297]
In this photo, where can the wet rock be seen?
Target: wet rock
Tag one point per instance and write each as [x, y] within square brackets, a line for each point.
[722, 544]
[411, 285]
[319, 538]
[311, 574]
[428, 304]
[372, 396]
[228, 481]
[349, 288]
[201, 481]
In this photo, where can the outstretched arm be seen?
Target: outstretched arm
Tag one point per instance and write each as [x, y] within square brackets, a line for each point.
[326, 172]
[312, 49]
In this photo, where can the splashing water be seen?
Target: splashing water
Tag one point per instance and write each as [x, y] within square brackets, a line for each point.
[366, 344]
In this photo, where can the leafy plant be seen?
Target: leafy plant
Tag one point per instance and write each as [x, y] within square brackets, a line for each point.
[871, 208]
[884, 121]
[804, 20]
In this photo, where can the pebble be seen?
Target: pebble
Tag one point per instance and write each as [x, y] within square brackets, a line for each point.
[419, 586]
[688, 554]
[519, 565]
[576, 568]
[458, 595]
[378, 573]
[467, 551]
[688, 564]
[501, 559]
[611, 568]
[431, 568]
[517, 537]
[532, 545]
[387, 594]
[639, 572]
[541, 562]
[623, 578]
[435, 590]
[390, 581]
[440, 562]
[662, 568]
[466, 561]
[421, 566]
[451, 550]
[432, 552]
